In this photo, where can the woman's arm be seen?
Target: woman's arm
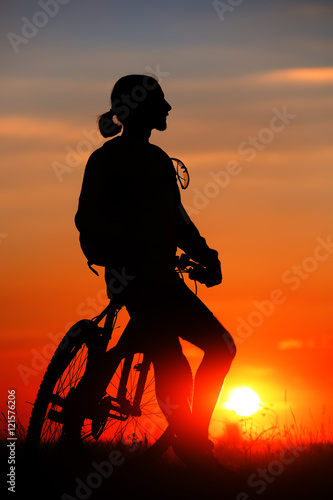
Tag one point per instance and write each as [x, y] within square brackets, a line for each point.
[195, 246]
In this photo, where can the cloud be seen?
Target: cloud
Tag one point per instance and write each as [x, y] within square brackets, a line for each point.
[298, 75]
[22, 127]
[312, 10]
[311, 75]
[319, 342]
[287, 344]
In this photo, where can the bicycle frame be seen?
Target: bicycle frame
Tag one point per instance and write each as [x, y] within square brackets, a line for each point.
[120, 406]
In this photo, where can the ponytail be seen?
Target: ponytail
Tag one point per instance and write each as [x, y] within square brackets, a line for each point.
[107, 125]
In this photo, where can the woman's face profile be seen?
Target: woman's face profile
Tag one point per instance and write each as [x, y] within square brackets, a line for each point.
[156, 110]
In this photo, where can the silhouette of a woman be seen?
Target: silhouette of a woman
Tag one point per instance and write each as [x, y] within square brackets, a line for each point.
[131, 221]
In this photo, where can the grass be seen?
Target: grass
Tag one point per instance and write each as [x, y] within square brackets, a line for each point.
[289, 462]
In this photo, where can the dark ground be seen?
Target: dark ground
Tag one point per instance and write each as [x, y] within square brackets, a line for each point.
[293, 475]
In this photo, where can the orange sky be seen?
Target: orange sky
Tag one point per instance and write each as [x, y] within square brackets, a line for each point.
[257, 142]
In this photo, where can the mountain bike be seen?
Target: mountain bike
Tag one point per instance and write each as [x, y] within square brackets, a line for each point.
[125, 412]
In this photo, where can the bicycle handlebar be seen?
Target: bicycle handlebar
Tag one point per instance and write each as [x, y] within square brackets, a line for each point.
[196, 272]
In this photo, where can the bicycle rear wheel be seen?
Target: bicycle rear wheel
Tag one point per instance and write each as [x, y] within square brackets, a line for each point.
[64, 372]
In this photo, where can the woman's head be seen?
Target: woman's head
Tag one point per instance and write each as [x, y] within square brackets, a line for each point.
[136, 100]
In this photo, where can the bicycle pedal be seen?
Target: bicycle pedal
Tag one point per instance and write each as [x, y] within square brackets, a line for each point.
[136, 411]
[53, 414]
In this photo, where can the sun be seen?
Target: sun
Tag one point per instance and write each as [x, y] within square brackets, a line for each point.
[243, 401]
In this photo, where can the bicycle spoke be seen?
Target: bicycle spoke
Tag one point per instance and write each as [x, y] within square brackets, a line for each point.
[52, 430]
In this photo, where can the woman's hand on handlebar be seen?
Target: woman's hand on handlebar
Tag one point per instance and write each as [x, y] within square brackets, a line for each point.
[213, 269]
[209, 274]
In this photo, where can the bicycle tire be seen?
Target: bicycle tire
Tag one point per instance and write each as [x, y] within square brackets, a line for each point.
[67, 350]
[63, 373]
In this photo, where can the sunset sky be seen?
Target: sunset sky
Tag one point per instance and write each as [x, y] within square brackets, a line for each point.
[251, 91]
